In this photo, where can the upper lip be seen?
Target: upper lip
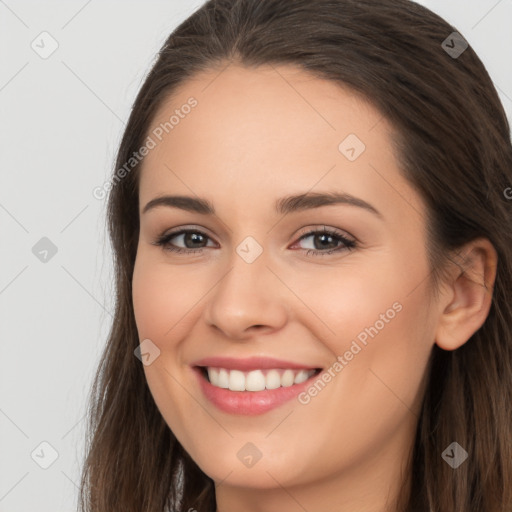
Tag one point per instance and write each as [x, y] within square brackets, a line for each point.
[251, 363]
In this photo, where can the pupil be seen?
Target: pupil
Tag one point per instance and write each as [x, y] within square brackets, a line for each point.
[194, 237]
[324, 237]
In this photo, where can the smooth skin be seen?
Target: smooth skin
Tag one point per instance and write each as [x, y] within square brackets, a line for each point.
[255, 136]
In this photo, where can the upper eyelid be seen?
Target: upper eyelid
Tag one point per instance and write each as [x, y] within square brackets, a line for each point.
[183, 230]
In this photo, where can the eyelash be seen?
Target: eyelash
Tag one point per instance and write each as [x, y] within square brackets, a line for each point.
[348, 244]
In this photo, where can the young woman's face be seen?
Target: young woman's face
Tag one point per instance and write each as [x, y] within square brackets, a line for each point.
[261, 296]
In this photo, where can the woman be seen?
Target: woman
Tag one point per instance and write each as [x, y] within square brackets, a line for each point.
[377, 377]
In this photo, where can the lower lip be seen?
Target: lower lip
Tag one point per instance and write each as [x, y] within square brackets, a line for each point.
[249, 403]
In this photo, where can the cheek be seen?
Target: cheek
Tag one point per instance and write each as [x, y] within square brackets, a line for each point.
[375, 391]
[385, 340]
[380, 328]
[161, 298]
[346, 300]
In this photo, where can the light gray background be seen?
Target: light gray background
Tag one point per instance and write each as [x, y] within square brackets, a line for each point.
[61, 119]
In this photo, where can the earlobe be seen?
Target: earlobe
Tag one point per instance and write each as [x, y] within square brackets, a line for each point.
[470, 295]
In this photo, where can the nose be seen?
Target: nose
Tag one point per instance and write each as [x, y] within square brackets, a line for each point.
[249, 299]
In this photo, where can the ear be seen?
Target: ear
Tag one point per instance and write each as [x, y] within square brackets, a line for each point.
[467, 296]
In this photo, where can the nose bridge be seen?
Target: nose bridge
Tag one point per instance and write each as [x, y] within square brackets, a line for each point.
[248, 294]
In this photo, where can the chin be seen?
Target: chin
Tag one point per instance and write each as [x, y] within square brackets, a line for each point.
[263, 473]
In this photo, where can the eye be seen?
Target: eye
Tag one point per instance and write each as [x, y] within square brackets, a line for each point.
[325, 239]
[195, 240]
[192, 238]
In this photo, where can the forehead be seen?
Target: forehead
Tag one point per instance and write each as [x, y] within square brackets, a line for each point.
[270, 131]
[278, 104]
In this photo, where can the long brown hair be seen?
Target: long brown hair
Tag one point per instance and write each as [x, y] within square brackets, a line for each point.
[453, 145]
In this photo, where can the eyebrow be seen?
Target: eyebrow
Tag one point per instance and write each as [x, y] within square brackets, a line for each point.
[283, 206]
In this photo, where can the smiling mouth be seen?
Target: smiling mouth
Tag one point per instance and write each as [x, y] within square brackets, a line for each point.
[255, 380]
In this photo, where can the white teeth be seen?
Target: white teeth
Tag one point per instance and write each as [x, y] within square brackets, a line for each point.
[223, 378]
[213, 375]
[287, 378]
[236, 380]
[301, 377]
[273, 380]
[256, 380]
